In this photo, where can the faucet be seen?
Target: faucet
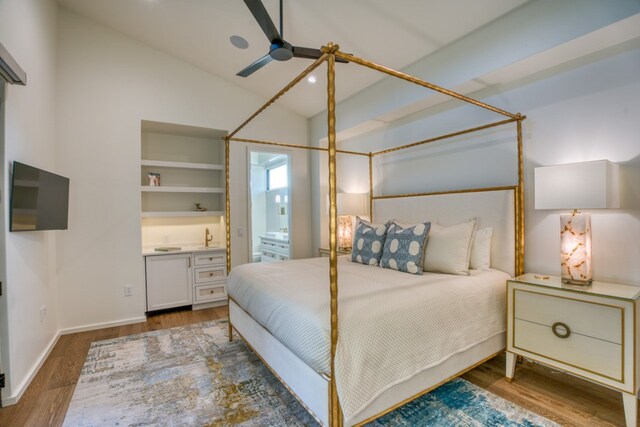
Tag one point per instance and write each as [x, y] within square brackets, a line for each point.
[207, 238]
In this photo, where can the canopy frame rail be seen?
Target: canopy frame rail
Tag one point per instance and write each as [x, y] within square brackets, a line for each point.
[330, 53]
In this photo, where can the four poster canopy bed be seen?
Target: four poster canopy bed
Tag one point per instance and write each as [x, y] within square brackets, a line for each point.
[396, 335]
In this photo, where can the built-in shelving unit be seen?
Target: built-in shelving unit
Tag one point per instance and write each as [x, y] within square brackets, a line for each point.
[190, 162]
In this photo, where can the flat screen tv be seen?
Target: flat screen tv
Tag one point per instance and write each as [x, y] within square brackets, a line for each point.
[39, 199]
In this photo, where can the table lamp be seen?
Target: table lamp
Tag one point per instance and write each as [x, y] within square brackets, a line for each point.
[348, 205]
[585, 185]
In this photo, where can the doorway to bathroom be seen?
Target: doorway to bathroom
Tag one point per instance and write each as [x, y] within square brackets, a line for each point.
[270, 205]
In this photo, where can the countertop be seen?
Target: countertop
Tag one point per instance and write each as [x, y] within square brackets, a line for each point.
[183, 249]
[279, 237]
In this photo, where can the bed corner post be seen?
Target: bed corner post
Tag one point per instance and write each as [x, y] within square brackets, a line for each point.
[227, 219]
[335, 414]
[520, 201]
[371, 186]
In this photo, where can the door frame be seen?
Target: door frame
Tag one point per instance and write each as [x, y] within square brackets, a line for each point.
[289, 154]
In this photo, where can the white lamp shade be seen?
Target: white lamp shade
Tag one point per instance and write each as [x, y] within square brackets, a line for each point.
[350, 203]
[586, 185]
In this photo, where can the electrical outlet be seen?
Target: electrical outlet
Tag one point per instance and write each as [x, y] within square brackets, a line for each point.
[240, 231]
[43, 313]
[165, 238]
[128, 291]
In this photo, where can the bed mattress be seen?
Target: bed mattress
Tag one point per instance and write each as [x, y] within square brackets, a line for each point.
[391, 325]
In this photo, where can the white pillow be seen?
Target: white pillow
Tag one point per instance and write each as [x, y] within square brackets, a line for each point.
[449, 248]
[481, 249]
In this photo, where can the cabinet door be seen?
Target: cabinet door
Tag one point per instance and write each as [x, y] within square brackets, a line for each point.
[168, 281]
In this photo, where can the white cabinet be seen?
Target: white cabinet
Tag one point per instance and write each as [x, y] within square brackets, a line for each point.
[210, 277]
[273, 249]
[587, 331]
[169, 281]
[187, 278]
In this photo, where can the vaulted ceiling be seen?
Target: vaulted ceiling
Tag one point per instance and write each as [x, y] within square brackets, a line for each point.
[391, 33]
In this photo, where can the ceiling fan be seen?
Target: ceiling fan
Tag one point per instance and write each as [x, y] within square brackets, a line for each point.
[280, 49]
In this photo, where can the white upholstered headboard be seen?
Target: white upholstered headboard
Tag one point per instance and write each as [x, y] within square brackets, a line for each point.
[491, 208]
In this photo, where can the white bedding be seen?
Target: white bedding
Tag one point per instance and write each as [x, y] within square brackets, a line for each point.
[392, 325]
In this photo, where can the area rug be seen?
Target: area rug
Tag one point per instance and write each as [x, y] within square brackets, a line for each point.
[192, 376]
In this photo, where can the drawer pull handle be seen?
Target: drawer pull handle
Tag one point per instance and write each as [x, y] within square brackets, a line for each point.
[561, 333]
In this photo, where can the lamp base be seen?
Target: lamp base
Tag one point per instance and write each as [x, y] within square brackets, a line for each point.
[575, 252]
[583, 283]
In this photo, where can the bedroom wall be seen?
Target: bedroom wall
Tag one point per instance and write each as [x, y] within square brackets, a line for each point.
[107, 83]
[586, 109]
[28, 31]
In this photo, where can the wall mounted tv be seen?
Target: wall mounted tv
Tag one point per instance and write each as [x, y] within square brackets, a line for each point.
[39, 199]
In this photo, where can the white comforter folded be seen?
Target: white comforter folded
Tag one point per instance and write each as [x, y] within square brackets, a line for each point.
[391, 325]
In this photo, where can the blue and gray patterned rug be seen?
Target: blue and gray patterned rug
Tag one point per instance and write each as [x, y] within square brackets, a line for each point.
[192, 376]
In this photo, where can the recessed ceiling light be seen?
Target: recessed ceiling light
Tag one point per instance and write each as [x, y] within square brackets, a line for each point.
[239, 42]
[311, 79]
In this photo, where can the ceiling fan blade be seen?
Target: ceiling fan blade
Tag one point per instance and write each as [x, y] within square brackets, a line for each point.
[306, 52]
[255, 66]
[310, 53]
[264, 20]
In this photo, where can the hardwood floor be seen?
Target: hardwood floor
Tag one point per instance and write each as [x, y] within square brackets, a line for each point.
[560, 397]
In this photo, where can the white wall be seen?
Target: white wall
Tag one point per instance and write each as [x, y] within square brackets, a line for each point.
[107, 83]
[258, 204]
[587, 109]
[28, 31]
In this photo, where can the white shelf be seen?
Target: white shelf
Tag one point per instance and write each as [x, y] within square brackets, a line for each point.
[168, 189]
[181, 213]
[181, 165]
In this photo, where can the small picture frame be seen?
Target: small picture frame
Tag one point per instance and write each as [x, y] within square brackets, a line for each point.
[154, 179]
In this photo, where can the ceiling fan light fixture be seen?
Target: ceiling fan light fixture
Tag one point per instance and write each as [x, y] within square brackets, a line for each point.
[239, 42]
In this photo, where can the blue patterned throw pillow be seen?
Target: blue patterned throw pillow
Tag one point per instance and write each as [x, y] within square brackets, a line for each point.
[368, 242]
[404, 247]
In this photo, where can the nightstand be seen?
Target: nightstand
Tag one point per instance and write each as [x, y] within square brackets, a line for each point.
[341, 251]
[589, 331]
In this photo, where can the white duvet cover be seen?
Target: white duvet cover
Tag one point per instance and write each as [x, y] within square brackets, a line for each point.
[391, 325]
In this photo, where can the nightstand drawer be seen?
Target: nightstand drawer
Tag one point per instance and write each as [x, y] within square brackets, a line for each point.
[209, 274]
[591, 319]
[580, 351]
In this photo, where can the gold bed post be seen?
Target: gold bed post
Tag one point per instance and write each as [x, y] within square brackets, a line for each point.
[370, 186]
[227, 202]
[520, 202]
[335, 414]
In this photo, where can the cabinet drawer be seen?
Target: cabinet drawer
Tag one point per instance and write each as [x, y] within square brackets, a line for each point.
[209, 258]
[210, 274]
[266, 244]
[204, 293]
[267, 256]
[283, 247]
[596, 320]
[579, 351]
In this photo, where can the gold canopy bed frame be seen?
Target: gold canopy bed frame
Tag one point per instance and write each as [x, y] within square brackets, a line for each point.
[330, 53]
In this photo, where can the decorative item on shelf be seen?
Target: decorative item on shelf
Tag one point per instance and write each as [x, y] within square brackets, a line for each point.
[200, 208]
[586, 185]
[154, 179]
[348, 206]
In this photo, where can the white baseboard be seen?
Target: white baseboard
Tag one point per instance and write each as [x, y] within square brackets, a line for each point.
[94, 326]
[13, 399]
